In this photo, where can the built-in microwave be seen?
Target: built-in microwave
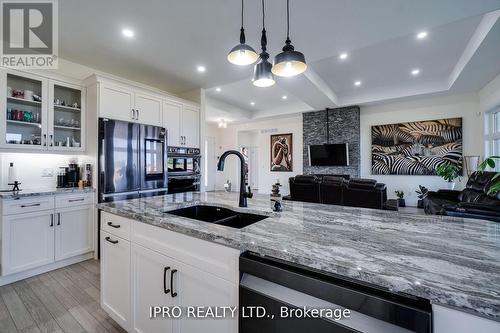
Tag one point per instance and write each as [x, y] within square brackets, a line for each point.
[183, 161]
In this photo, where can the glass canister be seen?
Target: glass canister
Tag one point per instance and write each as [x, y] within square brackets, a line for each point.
[9, 114]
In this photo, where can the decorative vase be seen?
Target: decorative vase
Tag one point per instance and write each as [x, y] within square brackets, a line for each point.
[401, 202]
[451, 185]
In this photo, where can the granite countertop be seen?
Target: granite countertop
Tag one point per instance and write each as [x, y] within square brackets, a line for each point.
[450, 261]
[43, 191]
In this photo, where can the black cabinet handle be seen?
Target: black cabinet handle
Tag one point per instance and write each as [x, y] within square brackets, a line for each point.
[75, 200]
[111, 241]
[113, 225]
[51, 220]
[165, 271]
[58, 218]
[172, 292]
[32, 205]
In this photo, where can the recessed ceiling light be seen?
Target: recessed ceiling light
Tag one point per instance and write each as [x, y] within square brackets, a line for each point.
[422, 35]
[416, 71]
[217, 89]
[201, 69]
[128, 33]
[343, 56]
[284, 97]
[357, 83]
[252, 103]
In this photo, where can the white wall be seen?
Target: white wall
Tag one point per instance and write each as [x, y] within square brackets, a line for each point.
[228, 139]
[465, 106]
[489, 96]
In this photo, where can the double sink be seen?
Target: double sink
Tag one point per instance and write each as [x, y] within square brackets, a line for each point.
[218, 215]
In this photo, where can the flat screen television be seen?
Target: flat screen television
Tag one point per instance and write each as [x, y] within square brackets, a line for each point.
[329, 155]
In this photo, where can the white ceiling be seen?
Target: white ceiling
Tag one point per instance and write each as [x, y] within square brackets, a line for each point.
[173, 37]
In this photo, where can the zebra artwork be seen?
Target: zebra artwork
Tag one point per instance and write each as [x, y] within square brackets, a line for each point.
[416, 148]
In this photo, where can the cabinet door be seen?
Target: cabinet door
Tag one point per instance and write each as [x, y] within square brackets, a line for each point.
[115, 278]
[190, 126]
[116, 102]
[195, 287]
[66, 114]
[148, 109]
[27, 241]
[73, 231]
[23, 101]
[172, 122]
[150, 283]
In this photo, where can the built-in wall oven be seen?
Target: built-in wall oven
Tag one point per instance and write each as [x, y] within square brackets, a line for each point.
[183, 169]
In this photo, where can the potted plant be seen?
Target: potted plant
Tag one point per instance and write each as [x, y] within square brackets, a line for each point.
[421, 194]
[490, 162]
[449, 172]
[401, 198]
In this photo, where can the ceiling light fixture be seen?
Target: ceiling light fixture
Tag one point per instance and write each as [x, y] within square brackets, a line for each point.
[252, 103]
[343, 56]
[242, 54]
[422, 35]
[357, 83]
[262, 75]
[289, 62]
[201, 69]
[128, 33]
[415, 72]
[284, 97]
[222, 123]
[217, 89]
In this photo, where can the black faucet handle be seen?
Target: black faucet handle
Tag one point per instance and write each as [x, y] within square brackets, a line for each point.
[249, 194]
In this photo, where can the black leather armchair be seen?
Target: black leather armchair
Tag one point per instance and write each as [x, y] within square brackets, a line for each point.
[304, 188]
[365, 193]
[472, 202]
[332, 190]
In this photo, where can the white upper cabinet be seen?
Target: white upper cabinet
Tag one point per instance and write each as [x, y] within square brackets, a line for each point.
[40, 113]
[190, 126]
[172, 122]
[182, 122]
[148, 109]
[122, 103]
[116, 102]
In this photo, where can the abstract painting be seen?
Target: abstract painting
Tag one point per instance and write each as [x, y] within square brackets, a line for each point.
[281, 152]
[416, 148]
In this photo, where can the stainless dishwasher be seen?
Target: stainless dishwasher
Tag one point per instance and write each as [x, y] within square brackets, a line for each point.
[274, 285]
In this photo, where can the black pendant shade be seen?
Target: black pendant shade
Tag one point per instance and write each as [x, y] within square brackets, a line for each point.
[289, 62]
[242, 54]
[262, 74]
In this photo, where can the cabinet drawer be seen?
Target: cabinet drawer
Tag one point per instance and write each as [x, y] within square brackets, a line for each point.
[116, 225]
[71, 200]
[219, 260]
[27, 205]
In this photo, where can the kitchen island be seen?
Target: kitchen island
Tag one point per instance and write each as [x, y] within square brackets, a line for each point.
[450, 261]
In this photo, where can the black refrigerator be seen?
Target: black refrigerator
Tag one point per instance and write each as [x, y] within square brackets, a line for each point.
[132, 160]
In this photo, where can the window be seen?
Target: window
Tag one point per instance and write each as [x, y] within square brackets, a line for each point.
[492, 137]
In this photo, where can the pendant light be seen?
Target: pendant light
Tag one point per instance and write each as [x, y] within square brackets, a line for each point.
[262, 75]
[242, 54]
[289, 62]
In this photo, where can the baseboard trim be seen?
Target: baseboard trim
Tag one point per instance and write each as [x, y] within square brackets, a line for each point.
[43, 269]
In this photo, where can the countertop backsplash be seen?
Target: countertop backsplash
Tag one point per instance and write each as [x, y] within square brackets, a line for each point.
[35, 170]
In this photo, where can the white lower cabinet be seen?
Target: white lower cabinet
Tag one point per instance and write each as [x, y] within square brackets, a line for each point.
[27, 241]
[73, 231]
[168, 278]
[115, 278]
[150, 287]
[44, 230]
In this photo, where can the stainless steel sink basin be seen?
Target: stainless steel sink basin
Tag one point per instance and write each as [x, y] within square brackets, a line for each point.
[218, 215]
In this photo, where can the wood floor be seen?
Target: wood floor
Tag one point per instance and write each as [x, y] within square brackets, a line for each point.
[64, 300]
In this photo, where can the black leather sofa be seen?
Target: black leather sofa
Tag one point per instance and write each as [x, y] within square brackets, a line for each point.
[472, 202]
[335, 190]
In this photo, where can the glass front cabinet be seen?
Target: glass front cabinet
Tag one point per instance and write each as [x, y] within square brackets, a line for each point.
[40, 113]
